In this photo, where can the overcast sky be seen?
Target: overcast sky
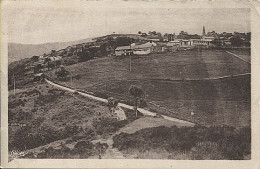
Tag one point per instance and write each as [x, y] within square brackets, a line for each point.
[62, 22]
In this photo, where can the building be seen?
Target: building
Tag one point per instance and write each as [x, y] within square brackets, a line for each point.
[39, 76]
[200, 42]
[123, 50]
[144, 49]
[54, 58]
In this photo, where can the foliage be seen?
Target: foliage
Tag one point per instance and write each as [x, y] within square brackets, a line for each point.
[38, 68]
[26, 138]
[82, 149]
[136, 92]
[106, 126]
[124, 41]
[236, 41]
[229, 142]
[62, 73]
[112, 102]
[35, 58]
[84, 56]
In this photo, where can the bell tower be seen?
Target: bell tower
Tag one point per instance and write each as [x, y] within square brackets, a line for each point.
[203, 32]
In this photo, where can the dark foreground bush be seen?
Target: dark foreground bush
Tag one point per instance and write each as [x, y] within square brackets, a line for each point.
[107, 126]
[230, 143]
[82, 149]
[25, 138]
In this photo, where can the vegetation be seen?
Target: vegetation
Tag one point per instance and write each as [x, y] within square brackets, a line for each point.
[25, 138]
[137, 93]
[219, 142]
[112, 103]
[236, 41]
[35, 58]
[62, 73]
[82, 149]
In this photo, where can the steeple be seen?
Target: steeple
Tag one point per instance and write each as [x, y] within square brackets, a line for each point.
[204, 32]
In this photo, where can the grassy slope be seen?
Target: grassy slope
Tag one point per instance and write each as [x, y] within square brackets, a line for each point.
[213, 101]
[56, 115]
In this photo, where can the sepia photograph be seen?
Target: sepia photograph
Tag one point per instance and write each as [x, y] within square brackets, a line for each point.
[136, 82]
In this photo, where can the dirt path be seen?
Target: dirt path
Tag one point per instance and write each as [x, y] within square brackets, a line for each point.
[143, 111]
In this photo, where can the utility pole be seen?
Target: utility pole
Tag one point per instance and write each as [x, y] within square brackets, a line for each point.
[236, 115]
[70, 79]
[130, 64]
[192, 116]
[14, 83]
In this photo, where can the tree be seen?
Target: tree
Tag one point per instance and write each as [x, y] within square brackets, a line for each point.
[35, 58]
[236, 41]
[38, 68]
[53, 52]
[85, 55]
[62, 73]
[123, 41]
[137, 93]
[112, 103]
[58, 63]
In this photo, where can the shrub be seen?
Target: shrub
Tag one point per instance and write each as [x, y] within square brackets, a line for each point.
[84, 145]
[106, 126]
[42, 100]
[219, 142]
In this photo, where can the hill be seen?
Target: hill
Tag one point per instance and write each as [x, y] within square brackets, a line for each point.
[18, 51]
[175, 84]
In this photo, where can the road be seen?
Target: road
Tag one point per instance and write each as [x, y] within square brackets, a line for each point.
[143, 111]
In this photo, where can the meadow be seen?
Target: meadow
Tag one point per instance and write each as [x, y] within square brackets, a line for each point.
[212, 84]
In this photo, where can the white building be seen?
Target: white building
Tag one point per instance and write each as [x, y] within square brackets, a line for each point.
[173, 43]
[123, 50]
[144, 49]
[200, 42]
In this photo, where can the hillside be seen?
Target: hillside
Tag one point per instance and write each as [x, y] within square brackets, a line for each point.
[175, 84]
[18, 51]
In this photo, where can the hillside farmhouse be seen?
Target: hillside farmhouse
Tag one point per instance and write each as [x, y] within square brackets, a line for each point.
[142, 49]
[123, 50]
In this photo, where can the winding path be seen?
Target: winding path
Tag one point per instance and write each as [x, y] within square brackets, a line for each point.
[143, 111]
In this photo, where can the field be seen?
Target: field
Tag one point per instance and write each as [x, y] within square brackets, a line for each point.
[245, 53]
[176, 84]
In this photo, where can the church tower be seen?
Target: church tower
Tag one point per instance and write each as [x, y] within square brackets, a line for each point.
[204, 32]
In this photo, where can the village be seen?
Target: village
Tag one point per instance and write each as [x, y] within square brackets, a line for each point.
[138, 44]
[117, 83]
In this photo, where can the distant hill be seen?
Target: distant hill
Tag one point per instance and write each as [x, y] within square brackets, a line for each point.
[18, 51]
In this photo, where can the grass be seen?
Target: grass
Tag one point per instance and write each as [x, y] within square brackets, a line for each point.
[245, 54]
[46, 115]
[166, 79]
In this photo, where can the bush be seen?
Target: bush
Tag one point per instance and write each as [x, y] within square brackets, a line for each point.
[229, 143]
[26, 138]
[84, 145]
[106, 126]
[42, 100]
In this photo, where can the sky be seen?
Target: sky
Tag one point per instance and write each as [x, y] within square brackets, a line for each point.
[44, 23]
